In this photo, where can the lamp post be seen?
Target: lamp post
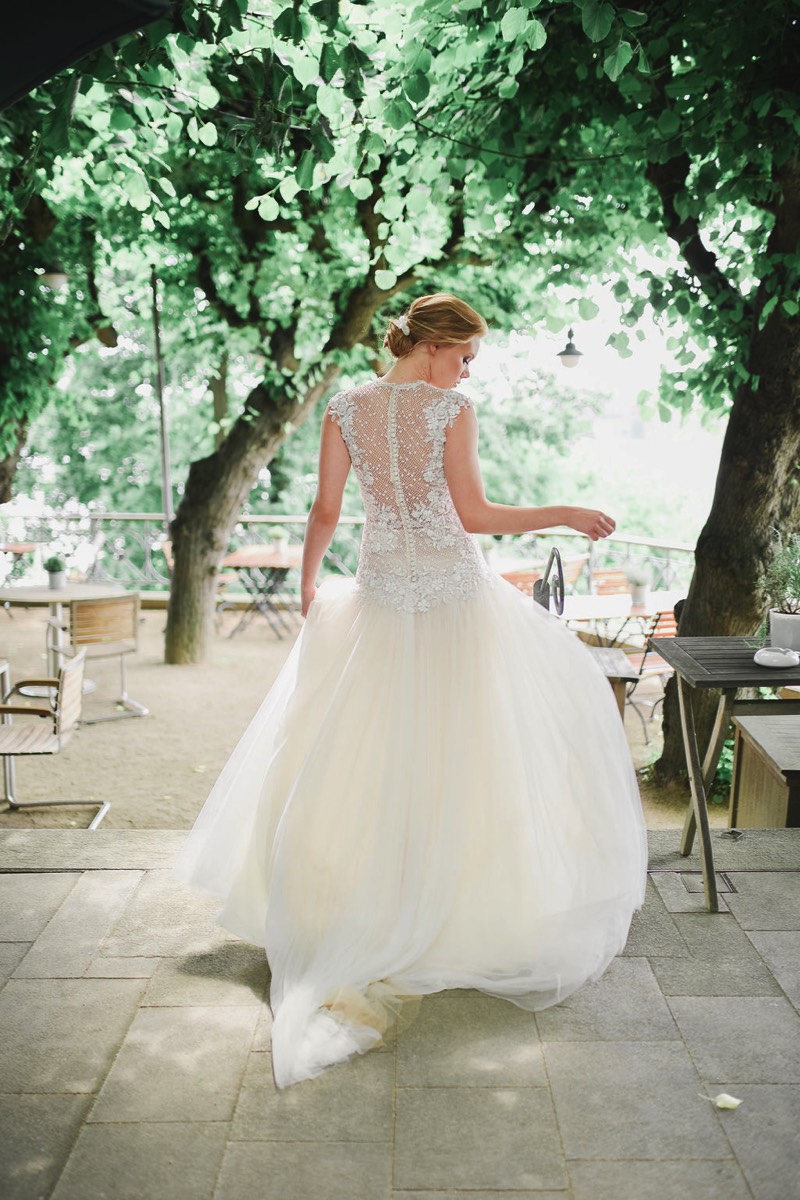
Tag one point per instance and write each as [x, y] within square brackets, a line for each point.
[166, 474]
[570, 356]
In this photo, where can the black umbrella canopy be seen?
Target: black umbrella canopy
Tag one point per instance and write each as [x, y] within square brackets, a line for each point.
[39, 40]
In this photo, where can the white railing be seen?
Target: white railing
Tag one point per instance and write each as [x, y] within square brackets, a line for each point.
[126, 547]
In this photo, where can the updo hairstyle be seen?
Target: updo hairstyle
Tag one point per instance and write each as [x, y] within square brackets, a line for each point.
[440, 318]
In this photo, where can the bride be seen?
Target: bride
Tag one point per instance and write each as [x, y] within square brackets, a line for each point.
[437, 790]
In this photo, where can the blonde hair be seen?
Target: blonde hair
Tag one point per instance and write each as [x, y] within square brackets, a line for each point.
[440, 318]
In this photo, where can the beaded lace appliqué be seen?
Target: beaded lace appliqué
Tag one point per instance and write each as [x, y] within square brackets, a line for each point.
[415, 553]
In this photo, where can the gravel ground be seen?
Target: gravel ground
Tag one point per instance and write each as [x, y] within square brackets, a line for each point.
[157, 770]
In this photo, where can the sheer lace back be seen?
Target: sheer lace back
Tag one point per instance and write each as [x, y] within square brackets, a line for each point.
[414, 551]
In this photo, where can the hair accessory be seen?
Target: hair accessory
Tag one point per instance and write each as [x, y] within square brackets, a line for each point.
[402, 324]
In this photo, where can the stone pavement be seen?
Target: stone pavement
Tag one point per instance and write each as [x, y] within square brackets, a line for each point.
[135, 1064]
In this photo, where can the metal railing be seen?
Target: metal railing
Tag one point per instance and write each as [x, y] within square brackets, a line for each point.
[126, 548]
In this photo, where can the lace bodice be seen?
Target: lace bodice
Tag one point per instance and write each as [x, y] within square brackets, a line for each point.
[414, 550]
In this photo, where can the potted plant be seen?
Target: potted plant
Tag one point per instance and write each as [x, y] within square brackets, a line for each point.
[781, 585]
[639, 579]
[56, 571]
[279, 538]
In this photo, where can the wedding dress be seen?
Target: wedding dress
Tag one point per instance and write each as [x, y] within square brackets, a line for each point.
[437, 791]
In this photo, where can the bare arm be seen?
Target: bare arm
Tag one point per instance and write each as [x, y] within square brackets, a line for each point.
[478, 515]
[334, 467]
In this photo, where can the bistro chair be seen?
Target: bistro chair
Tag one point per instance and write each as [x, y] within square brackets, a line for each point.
[49, 726]
[648, 664]
[106, 628]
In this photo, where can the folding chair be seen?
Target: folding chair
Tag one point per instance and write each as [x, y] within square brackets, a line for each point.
[54, 724]
[106, 628]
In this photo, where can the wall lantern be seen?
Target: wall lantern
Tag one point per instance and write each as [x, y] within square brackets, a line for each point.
[570, 357]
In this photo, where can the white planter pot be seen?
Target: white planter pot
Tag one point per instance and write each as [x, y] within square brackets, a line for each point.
[56, 580]
[281, 546]
[639, 594]
[784, 629]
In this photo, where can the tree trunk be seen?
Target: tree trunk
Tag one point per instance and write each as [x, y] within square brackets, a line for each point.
[219, 396]
[8, 466]
[216, 489]
[757, 490]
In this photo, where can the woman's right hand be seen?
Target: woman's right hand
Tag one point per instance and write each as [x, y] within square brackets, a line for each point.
[592, 522]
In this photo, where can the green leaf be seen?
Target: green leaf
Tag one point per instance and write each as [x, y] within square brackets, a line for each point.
[416, 87]
[361, 188]
[398, 113]
[632, 18]
[305, 170]
[616, 62]
[207, 96]
[513, 22]
[791, 308]
[305, 71]
[121, 119]
[268, 208]
[587, 308]
[597, 19]
[173, 127]
[668, 123]
[208, 134]
[329, 62]
[56, 128]
[537, 34]
[385, 280]
[508, 88]
[288, 188]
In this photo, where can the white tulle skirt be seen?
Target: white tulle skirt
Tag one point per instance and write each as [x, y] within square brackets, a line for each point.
[423, 801]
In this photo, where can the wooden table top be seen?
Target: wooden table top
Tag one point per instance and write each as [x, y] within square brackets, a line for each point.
[721, 662]
[264, 557]
[618, 606]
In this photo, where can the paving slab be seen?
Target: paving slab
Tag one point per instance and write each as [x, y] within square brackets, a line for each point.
[697, 1180]
[38, 1135]
[470, 1040]
[179, 1064]
[678, 899]
[755, 850]
[166, 919]
[322, 1171]
[624, 1005]
[121, 968]
[70, 941]
[780, 950]
[653, 929]
[490, 1138]
[11, 955]
[89, 850]
[741, 1039]
[631, 1100]
[765, 1135]
[724, 961]
[516, 1194]
[230, 973]
[28, 901]
[61, 1035]
[766, 900]
[144, 1162]
[352, 1102]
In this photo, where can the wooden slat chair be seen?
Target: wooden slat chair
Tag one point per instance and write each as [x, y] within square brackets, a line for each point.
[53, 726]
[649, 664]
[107, 628]
[610, 582]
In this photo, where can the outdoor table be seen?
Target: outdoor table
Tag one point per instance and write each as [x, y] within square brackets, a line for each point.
[724, 663]
[617, 668]
[617, 607]
[25, 596]
[263, 572]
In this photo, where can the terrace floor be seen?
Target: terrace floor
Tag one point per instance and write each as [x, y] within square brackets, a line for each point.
[135, 1061]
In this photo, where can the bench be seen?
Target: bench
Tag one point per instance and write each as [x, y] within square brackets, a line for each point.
[765, 789]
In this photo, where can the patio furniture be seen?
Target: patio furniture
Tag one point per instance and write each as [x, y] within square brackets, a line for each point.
[263, 573]
[724, 663]
[648, 664]
[41, 596]
[107, 628]
[609, 582]
[765, 789]
[52, 727]
[617, 669]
